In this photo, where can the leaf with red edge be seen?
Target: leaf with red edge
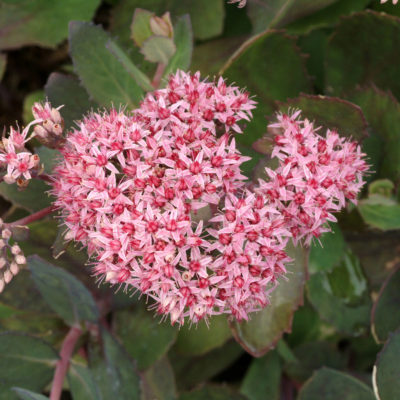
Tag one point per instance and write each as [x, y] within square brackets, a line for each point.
[260, 334]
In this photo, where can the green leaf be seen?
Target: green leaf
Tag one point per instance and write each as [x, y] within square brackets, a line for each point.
[40, 22]
[158, 49]
[380, 212]
[212, 392]
[329, 252]
[327, 16]
[341, 296]
[207, 16]
[33, 198]
[48, 157]
[312, 356]
[183, 39]
[24, 394]
[3, 65]
[114, 372]
[306, 326]
[262, 332]
[271, 67]
[204, 337]
[140, 78]
[329, 384]
[65, 90]
[210, 57]
[140, 28]
[67, 296]
[263, 376]
[191, 371]
[363, 59]
[387, 370]
[159, 382]
[331, 113]
[380, 253]
[29, 100]
[25, 361]
[382, 111]
[81, 383]
[277, 13]
[144, 338]
[385, 316]
[103, 76]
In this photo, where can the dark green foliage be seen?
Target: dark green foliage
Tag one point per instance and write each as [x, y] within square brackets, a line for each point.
[332, 327]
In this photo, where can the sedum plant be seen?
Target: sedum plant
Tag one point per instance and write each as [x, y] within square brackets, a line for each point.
[159, 223]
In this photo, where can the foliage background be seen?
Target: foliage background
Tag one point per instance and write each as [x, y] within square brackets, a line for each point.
[334, 324]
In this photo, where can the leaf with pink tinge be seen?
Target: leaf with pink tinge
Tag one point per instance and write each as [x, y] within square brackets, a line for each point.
[260, 334]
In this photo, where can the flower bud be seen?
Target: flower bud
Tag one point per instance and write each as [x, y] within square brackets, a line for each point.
[15, 249]
[162, 26]
[6, 234]
[14, 268]
[7, 276]
[20, 259]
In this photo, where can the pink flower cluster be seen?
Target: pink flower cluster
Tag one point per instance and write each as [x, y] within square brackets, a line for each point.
[315, 176]
[17, 163]
[135, 190]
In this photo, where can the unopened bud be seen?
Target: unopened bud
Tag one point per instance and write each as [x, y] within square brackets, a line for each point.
[8, 179]
[20, 259]
[15, 249]
[2, 243]
[48, 125]
[1, 223]
[162, 26]
[56, 116]
[7, 276]
[57, 129]
[110, 275]
[6, 234]
[35, 160]
[3, 262]
[40, 132]
[14, 268]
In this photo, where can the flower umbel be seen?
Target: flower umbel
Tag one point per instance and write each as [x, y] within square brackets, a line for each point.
[315, 176]
[134, 188]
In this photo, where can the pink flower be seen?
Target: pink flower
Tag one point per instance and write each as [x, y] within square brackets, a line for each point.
[315, 176]
[132, 188]
[393, 1]
[130, 185]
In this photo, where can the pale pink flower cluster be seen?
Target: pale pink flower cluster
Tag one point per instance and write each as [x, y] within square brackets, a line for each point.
[17, 163]
[393, 1]
[135, 188]
[315, 176]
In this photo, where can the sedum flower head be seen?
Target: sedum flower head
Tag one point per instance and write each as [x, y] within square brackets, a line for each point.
[315, 176]
[137, 189]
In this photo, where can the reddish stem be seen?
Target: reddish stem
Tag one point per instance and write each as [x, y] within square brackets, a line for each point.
[45, 177]
[33, 217]
[66, 351]
[158, 75]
